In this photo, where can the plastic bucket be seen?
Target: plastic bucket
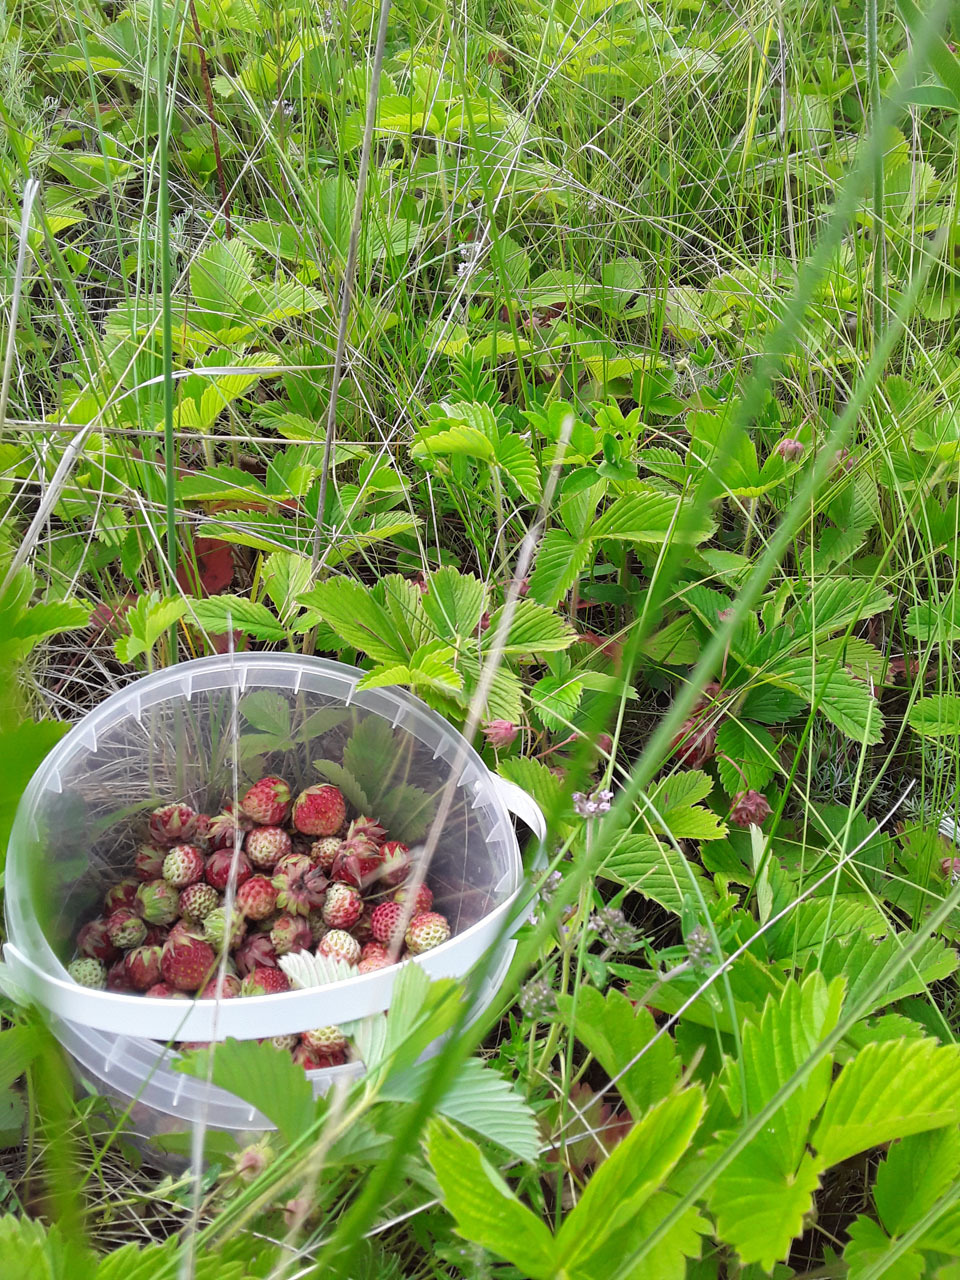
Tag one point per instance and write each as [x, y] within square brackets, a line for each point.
[182, 734]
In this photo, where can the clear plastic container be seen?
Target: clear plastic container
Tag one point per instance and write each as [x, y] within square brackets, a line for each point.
[182, 734]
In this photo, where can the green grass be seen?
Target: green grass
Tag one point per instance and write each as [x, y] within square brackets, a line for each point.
[609, 259]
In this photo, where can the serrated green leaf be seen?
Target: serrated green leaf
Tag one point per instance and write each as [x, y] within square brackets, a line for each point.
[266, 710]
[558, 565]
[533, 629]
[649, 516]
[868, 1247]
[745, 755]
[757, 1209]
[555, 700]
[454, 603]
[219, 614]
[845, 701]
[937, 716]
[655, 869]
[484, 1208]
[344, 779]
[917, 1171]
[863, 961]
[357, 617]
[286, 576]
[516, 458]
[270, 1081]
[675, 644]
[459, 441]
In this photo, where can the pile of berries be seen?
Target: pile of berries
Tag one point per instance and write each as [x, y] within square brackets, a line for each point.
[307, 877]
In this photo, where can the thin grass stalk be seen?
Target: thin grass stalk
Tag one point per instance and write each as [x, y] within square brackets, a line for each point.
[31, 189]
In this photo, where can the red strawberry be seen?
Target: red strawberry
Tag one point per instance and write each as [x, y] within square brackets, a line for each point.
[342, 906]
[198, 900]
[257, 898]
[426, 931]
[266, 846]
[367, 829]
[201, 836]
[374, 962]
[93, 940]
[156, 935]
[422, 898]
[172, 824]
[122, 894]
[339, 945]
[148, 861]
[267, 802]
[320, 810]
[373, 951]
[387, 923]
[159, 902]
[225, 825]
[186, 962]
[324, 851]
[163, 991]
[125, 928]
[183, 865]
[358, 862]
[218, 866]
[225, 989]
[142, 967]
[117, 980]
[394, 862]
[256, 952]
[324, 1040]
[264, 982]
[305, 1058]
[290, 934]
[300, 885]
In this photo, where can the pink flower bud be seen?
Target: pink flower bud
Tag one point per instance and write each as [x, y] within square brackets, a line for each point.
[749, 808]
[500, 733]
[789, 449]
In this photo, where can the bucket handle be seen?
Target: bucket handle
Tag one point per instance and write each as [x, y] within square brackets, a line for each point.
[521, 805]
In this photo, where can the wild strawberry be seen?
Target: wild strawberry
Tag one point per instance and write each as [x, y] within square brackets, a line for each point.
[122, 894]
[290, 934]
[300, 885]
[198, 900]
[324, 1040]
[183, 865]
[156, 936]
[750, 808]
[264, 982]
[215, 928]
[358, 862]
[317, 926]
[426, 931]
[387, 923]
[172, 824]
[363, 929]
[320, 810]
[366, 828]
[257, 898]
[142, 967]
[339, 945]
[324, 850]
[186, 962]
[373, 962]
[201, 836]
[88, 972]
[266, 846]
[394, 863]
[225, 988]
[93, 941]
[159, 902]
[186, 929]
[255, 952]
[373, 950]
[125, 928]
[305, 1058]
[267, 802]
[342, 906]
[164, 991]
[117, 980]
[285, 1044]
[225, 826]
[422, 897]
[148, 861]
[217, 871]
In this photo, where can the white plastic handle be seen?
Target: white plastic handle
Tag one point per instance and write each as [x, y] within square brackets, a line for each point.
[157, 1019]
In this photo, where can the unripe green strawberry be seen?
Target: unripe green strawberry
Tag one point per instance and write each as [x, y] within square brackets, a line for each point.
[125, 929]
[88, 972]
[142, 967]
[285, 1044]
[317, 926]
[426, 931]
[339, 945]
[172, 823]
[266, 846]
[159, 902]
[264, 982]
[215, 927]
[94, 941]
[325, 1040]
[267, 802]
[290, 934]
[122, 894]
[257, 898]
[320, 810]
[183, 865]
[324, 851]
[342, 905]
[198, 900]
[186, 962]
[148, 861]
